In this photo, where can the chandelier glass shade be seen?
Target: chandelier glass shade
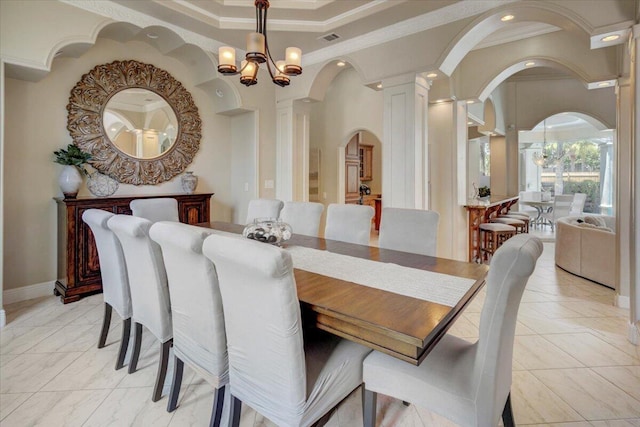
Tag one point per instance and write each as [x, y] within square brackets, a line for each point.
[258, 53]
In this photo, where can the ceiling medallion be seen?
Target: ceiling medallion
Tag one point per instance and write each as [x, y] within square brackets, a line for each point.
[258, 53]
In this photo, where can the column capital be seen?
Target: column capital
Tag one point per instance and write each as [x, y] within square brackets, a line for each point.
[403, 79]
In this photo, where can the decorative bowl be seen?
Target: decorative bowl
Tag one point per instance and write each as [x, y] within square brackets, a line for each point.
[268, 230]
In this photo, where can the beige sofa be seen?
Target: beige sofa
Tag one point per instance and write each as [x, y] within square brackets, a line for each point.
[585, 249]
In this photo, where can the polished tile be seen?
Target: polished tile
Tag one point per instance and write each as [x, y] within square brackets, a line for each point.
[10, 401]
[17, 340]
[30, 372]
[591, 395]
[69, 408]
[535, 352]
[625, 377]
[535, 403]
[591, 350]
[68, 339]
[130, 407]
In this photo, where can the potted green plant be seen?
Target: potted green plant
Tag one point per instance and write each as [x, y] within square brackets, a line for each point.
[73, 159]
[484, 192]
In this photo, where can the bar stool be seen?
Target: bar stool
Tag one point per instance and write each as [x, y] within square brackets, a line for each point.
[522, 217]
[518, 224]
[492, 236]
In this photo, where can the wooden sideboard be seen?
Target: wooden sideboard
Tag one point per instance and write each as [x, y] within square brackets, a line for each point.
[78, 265]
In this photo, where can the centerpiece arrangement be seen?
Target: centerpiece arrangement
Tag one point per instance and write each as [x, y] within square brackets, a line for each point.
[268, 230]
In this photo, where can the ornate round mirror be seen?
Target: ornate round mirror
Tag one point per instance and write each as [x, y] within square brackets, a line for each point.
[139, 123]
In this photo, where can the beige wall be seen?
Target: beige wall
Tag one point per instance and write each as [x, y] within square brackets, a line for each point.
[348, 107]
[35, 124]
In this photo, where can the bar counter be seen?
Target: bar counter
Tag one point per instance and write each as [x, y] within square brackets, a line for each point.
[480, 211]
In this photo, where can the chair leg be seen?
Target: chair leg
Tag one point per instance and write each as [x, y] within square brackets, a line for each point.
[234, 411]
[137, 341]
[162, 370]
[124, 342]
[106, 322]
[507, 414]
[369, 408]
[178, 367]
[218, 402]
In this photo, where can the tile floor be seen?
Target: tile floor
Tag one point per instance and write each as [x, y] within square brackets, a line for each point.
[573, 366]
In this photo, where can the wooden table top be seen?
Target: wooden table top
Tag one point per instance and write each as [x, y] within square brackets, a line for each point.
[402, 326]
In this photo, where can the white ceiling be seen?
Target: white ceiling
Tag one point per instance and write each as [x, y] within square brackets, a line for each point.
[303, 23]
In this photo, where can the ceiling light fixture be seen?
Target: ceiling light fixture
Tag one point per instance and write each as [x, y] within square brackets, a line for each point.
[341, 63]
[258, 53]
[604, 84]
[471, 101]
[610, 38]
[432, 75]
[506, 18]
[529, 64]
[379, 85]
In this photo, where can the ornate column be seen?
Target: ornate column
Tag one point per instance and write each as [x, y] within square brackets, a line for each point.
[405, 154]
[292, 151]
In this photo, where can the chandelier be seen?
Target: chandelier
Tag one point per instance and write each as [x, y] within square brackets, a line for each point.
[258, 53]
[541, 158]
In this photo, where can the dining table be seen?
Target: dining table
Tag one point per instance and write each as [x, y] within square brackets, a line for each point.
[541, 207]
[395, 302]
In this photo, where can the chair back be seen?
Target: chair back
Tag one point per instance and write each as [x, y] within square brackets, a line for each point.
[578, 203]
[196, 305]
[113, 269]
[264, 330]
[160, 209]
[409, 230]
[264, 208]
[511, 266]
[562, 205]
[147, 276]
[349, 223]
[303, 217]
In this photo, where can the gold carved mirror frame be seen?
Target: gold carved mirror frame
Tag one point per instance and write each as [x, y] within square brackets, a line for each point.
[86, 106]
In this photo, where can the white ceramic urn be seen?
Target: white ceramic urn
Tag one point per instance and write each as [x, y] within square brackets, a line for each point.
[70, 181]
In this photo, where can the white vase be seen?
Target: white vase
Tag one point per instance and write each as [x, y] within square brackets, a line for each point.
[189, 182]
[70, 181]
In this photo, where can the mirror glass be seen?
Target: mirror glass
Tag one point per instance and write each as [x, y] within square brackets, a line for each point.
[140, 123]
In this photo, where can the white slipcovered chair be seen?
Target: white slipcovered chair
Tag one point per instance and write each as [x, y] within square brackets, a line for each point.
[158, 209]
[561, 208]
[577, 206]
[115, 283]
[349, 223]
[199, 338]
[264, 208]
[291, 379]
[149, 291]
[409, 230]
[468, 383]
[303, 217]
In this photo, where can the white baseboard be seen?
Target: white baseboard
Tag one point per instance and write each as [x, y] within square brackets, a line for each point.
[3, 318]
[634, 334]
[27, 292]
[622, 301]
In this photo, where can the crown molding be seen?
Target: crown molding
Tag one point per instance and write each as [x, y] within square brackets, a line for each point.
[119, 13]
[427, 21]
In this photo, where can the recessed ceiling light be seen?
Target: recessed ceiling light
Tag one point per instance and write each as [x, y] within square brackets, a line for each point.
[506, 18]
[307, 100]
[432, 75]
[152, 35]
[379, 85]
[471, 101]
[611, 38]
[529, 64]
[604, 84]
[113, 129]
[341, 63]
[469, 123]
